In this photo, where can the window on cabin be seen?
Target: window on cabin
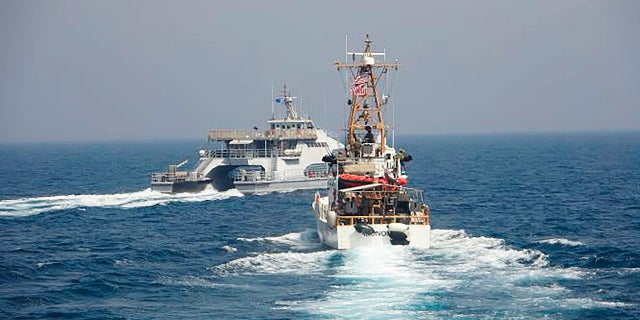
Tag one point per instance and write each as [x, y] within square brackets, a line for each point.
[317, 145]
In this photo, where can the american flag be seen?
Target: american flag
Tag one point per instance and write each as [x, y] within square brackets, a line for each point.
[358, 87]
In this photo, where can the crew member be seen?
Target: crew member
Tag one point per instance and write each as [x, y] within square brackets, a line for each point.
[368, 138]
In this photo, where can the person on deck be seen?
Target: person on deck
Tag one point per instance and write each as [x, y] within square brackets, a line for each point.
[368, 138]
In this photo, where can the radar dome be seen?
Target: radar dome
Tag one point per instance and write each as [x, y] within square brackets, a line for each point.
[369, 61]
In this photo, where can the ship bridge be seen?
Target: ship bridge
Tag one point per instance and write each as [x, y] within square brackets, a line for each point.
[279, 130]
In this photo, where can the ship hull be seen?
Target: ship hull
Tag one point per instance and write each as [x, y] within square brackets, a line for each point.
[280, 186]
[242, 186]
[345, 237]
[179, 187]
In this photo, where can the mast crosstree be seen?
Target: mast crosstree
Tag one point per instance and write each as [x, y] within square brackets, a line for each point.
[366, 103]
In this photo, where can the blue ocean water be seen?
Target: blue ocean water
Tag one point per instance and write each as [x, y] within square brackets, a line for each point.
[540, 226]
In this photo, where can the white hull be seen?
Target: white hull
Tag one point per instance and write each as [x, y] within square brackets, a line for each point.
[347, 237]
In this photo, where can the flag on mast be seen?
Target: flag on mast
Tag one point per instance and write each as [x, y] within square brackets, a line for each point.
[359, 85]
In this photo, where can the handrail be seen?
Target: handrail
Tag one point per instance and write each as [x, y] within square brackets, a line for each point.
[252, 153]
[167, 177]
[387, 205]
[388, 189]
[178, 176]
[274, 134]
[255, 176]
[414, 219]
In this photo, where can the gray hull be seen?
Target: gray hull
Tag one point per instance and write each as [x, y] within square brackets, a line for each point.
[242, 186]
[182, 186]
[280, 186]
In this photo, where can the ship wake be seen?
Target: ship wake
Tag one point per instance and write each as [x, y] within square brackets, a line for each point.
[464, 274]
[138, 199]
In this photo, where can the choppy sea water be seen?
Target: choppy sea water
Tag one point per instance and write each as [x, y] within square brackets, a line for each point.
[539, 226]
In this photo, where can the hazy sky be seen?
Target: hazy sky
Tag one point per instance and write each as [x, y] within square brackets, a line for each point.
[84, 70]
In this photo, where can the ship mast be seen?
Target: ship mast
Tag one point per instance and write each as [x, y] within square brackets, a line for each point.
[287, 99]
[365, 103]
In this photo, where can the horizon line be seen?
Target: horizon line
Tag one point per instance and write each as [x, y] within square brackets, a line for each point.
[204, 139]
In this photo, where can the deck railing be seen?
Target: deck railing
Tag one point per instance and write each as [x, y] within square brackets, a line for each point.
[256, 176]
[387, 205]
[168, 177]
[252, 153]
[385, 219]
[275, 134]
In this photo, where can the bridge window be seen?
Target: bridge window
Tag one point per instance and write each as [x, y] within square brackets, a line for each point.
[317, 145]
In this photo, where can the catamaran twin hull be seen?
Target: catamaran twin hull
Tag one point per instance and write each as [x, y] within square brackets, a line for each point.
[248, 187]
[180, 187]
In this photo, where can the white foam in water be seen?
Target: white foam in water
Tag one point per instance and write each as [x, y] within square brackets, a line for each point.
[264, 193]
[229, 249]
[193, 281]
[144, 198]
[378, 283]
[306, 238]
[562, 241]
[41, 265]
[274, 263]
[459, 276]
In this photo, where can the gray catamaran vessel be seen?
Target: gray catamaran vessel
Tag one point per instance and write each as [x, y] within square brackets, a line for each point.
[285, 157]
